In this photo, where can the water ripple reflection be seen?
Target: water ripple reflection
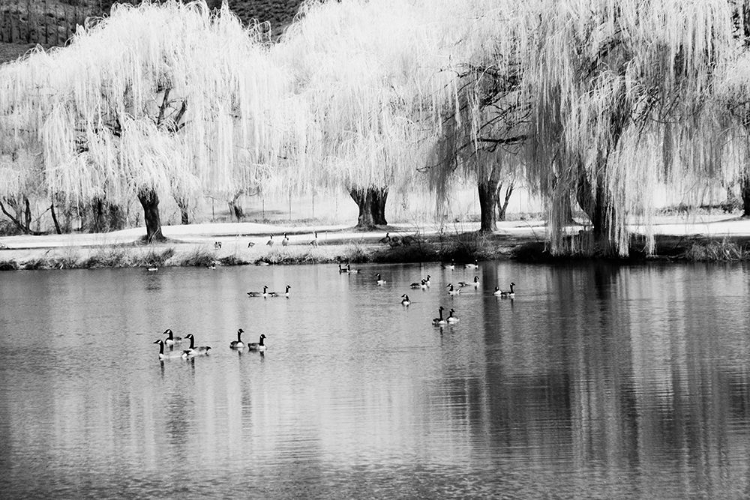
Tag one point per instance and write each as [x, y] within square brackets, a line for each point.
[593, 382]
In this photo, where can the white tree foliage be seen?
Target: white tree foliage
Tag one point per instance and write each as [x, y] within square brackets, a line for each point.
[98, 112]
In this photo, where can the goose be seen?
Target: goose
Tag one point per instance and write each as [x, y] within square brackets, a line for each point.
[452, 265]
[264, 293]
[476, 282]
[451, 291]
[194, 351]
[475, 265]
[508, 293]
[452, 318]
[386, 239]
[405, 300]
[427, 281]
[250, 244]
[276, 294]
[171, 340]
[258, 346]
[152, 269]
[270, 241]
[418, 285]
[350, 270]
[237, 344]
[168, 355]
[379, 280]
[498, 292]
[439, 320]
[343, 269]
[314, 242]
[285, 241]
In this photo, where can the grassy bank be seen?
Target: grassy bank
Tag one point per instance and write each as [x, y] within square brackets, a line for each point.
[464, 247]
[668, 249]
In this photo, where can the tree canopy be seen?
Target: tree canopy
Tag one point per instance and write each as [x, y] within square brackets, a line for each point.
[592, 100]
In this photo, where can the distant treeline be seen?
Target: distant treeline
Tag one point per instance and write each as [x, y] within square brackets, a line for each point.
[53, 22]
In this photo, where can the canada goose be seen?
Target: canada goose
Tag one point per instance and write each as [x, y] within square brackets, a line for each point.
[386, 239]
[405, 300]
[153, 269]
[498, 292]
[250, 244]
[452, 318]
[171, 339]
[270, 241]
[379, 280]
[285, 241]
[467, 283]
[476, 282]
[314, 242]
[508, 293]
[258, 346]
[350, 270]
[264, 293]
[276, 294]
[194, 351]
[343, 269]
[237, 344]
[451, 266]
[475, 265]
[217, 245]
[167, 355]
[439, 320]
[427, 280]
[451, 291]
[417, 285]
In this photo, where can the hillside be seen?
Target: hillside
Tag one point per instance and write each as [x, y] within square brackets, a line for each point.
[49, 23]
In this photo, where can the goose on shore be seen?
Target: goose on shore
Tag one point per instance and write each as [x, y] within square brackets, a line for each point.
[285, 241]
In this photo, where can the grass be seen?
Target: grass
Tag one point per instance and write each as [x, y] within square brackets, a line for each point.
[717, 251]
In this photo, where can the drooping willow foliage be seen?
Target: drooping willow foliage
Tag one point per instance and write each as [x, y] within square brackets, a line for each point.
[166, 97]
[597, 101]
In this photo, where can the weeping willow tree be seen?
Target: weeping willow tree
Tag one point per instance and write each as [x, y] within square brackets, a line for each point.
[369, 75]
[620, 90]
[153, 101]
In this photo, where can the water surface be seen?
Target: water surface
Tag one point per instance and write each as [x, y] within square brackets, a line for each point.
[593, 382]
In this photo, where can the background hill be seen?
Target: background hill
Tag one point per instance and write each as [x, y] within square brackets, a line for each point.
[49, 23]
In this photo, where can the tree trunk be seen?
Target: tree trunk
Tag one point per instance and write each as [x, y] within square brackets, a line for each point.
[594, 203]
[488, 200]
[503, 207]
[182, 203]
[54, 217]
[745, 190]
[371, 203]
[150, 202]
[379, 197]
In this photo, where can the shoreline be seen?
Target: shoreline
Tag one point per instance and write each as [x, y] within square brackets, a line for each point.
[721, 239]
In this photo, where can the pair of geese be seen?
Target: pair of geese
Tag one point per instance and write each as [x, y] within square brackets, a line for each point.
[194, 351]
[452, 265]
[266, 293]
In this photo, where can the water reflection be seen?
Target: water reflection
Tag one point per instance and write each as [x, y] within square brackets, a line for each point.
[594, 381]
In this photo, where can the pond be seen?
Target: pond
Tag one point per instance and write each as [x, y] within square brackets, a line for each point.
[594, 381]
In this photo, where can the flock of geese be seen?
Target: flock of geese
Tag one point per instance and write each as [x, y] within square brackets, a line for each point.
[424, 283]
[172, 341]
